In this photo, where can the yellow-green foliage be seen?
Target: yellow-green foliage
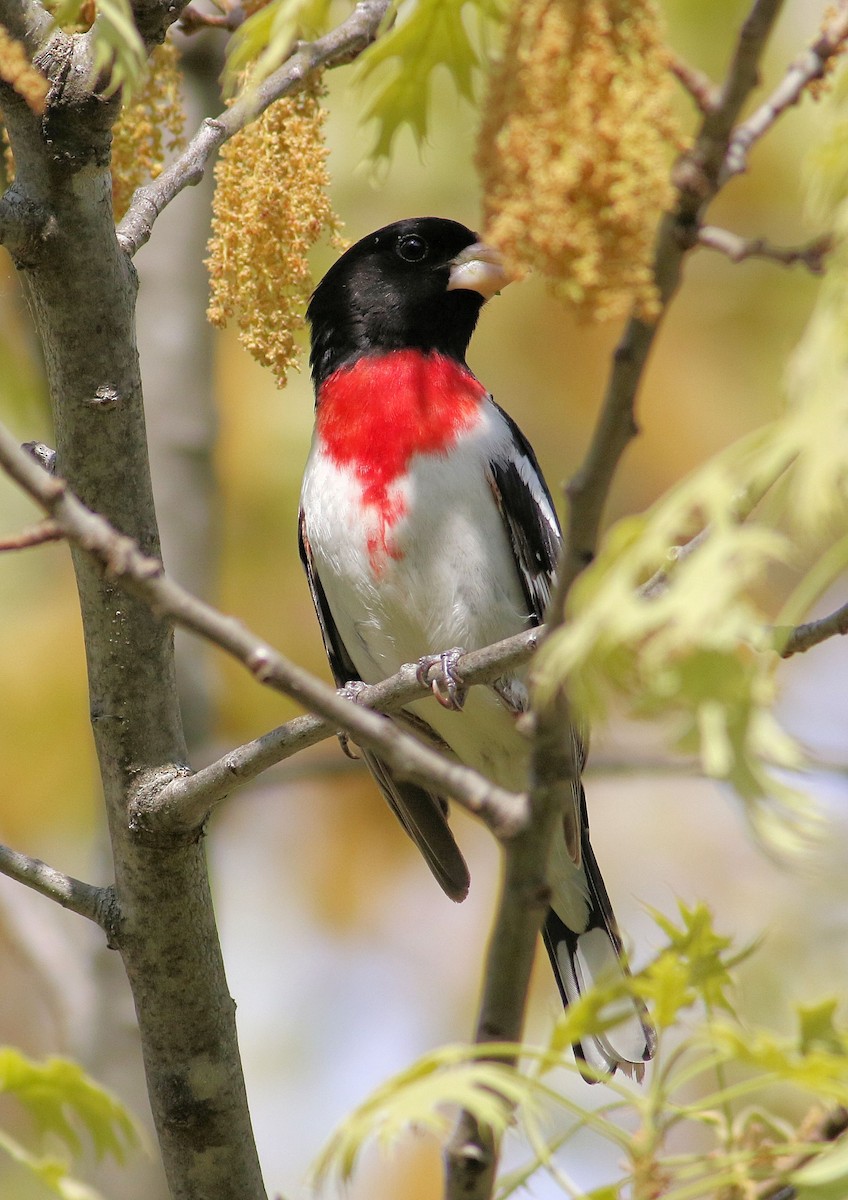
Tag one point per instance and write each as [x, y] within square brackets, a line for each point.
[695, 647]
[398, 68]
[419, 36]
[731, 1070]
[265, 39]
[64, 1102]
[817, 379]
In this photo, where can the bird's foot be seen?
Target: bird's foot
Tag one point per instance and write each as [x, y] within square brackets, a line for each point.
[352, 690]
[446, 686]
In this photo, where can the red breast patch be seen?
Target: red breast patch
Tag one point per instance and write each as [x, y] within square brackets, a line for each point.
[376, 414]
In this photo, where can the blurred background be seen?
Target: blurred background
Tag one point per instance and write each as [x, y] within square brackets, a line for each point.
[345, 960]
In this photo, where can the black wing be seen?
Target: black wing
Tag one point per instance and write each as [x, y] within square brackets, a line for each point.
[527, 509]
[423, 814]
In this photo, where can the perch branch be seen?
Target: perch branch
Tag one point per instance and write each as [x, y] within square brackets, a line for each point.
[339, 45]
[144, 577]
[190, 797]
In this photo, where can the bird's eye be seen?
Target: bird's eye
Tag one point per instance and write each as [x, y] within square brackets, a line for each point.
[412, 248]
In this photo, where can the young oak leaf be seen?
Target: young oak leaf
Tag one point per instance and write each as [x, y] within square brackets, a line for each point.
[453, 1076]
[61, 1098]
[397, 68]
[266, 38]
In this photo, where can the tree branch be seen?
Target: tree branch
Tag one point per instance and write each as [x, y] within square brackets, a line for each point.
[813, 633]
[144, 577]
[813, 64]
[153, 18]
[194, 19]
[190, 797]
[28, 21]
[46, 531]
[339, 45]
[811, 254]
[699, 85]
[471, 1156]
[96, 903]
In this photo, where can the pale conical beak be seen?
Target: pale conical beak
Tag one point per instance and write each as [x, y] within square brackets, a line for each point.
[478, 268]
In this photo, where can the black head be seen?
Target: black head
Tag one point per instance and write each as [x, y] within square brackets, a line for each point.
[400, 288]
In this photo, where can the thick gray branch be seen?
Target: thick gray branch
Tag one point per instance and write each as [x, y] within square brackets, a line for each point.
[81, 291]
[96, 903]
[28, 21]
[339, 45]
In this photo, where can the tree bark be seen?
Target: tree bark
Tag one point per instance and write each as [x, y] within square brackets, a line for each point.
[81, 288]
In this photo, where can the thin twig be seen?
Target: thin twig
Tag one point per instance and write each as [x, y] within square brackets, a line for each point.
[194, 19]
[83, 898]
[737, 248]
[37, 535]
[832, 1127]
[813, 64]
[503, 812]
[813, 633]
[339, 45]
[698, 84]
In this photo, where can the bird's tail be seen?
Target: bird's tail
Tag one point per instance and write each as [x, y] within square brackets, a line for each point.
[596, 955]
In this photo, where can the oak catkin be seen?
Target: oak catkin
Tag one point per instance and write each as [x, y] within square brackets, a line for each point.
[574, 149]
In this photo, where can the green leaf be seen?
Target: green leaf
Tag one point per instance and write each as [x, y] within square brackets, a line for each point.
[828, 1169]
[61, 1098]
[397, 68]
[454, 1076]
[265, 40]
[50, 1171]
[694, 648]
[117, 44]
[817, 1028]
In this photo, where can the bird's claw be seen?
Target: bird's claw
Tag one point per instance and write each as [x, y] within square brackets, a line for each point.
[447, 686]
[352, 690]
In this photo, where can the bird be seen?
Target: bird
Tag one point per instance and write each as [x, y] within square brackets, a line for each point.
[426, 529]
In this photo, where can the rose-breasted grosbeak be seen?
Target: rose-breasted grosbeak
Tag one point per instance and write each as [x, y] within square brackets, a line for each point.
[425, 524]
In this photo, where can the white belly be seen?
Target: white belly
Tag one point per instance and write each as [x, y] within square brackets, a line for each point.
[441, 575]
